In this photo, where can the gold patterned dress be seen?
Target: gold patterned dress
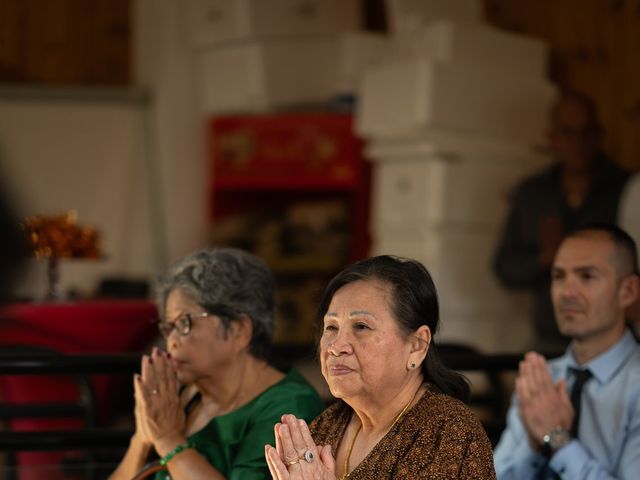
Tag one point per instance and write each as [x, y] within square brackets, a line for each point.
[439, 438]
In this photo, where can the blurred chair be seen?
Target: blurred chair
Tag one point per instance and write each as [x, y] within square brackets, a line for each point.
[489, 397]
[124, 288]
[51, 402]
[84, 327]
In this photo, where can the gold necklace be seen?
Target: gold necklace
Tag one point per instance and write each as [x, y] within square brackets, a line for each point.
[345, 475]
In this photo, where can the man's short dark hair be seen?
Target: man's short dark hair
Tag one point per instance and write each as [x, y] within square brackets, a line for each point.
[626, 250]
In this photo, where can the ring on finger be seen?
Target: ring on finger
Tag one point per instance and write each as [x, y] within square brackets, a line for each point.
[308, 456]
[292, 463]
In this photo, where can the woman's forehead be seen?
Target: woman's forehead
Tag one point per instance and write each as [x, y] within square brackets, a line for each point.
[362, 295]
[374, 286]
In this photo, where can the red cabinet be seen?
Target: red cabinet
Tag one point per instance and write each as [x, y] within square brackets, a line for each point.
[294, 189]
[289, 151]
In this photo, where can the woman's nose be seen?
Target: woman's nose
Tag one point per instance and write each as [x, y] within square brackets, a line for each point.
[172, 340]
[340, 345]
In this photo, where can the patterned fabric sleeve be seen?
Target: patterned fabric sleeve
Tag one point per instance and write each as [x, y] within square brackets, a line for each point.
[438, 439]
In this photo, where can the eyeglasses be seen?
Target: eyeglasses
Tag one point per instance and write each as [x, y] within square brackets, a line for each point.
[182, 324]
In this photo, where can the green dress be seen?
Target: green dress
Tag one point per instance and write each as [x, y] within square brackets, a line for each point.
[234, 443]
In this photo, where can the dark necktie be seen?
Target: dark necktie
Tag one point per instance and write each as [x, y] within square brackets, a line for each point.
[581, 377]
[576, 392]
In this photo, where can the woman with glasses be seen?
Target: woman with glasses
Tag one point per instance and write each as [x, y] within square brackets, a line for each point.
[207, 405]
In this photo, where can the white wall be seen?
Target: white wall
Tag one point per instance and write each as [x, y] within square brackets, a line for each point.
[64, 151]
[164, 64]
[131, 162]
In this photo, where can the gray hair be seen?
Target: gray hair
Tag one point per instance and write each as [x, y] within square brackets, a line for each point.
[226, 282]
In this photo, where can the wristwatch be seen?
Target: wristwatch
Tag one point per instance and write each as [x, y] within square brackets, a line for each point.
[554, 441]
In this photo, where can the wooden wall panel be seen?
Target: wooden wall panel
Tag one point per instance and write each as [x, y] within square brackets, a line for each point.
[11, 25]
[85, 42]
[595, 48]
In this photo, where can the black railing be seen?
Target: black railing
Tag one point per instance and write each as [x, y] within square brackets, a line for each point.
[80, 365]
[70, 364]
[76, 367]
[39, 361]
[55, 440]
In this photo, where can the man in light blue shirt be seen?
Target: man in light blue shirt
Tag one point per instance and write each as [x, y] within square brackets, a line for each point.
[561, 427]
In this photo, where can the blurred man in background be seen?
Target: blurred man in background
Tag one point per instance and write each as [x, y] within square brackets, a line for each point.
[581, 186]
[629, 219]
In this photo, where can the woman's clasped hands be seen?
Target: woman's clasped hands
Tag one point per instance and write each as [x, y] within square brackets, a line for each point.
[296, 456]
[159, 415]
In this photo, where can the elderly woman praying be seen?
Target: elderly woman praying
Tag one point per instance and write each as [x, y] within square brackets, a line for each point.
[206, 406]
[400, 412]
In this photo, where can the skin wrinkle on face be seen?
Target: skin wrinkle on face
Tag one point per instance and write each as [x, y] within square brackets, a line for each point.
[205, 349]
[360, 334]
[585, 287]
[575, 135]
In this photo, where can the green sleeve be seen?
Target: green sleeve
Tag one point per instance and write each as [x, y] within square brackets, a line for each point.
[300, 400]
